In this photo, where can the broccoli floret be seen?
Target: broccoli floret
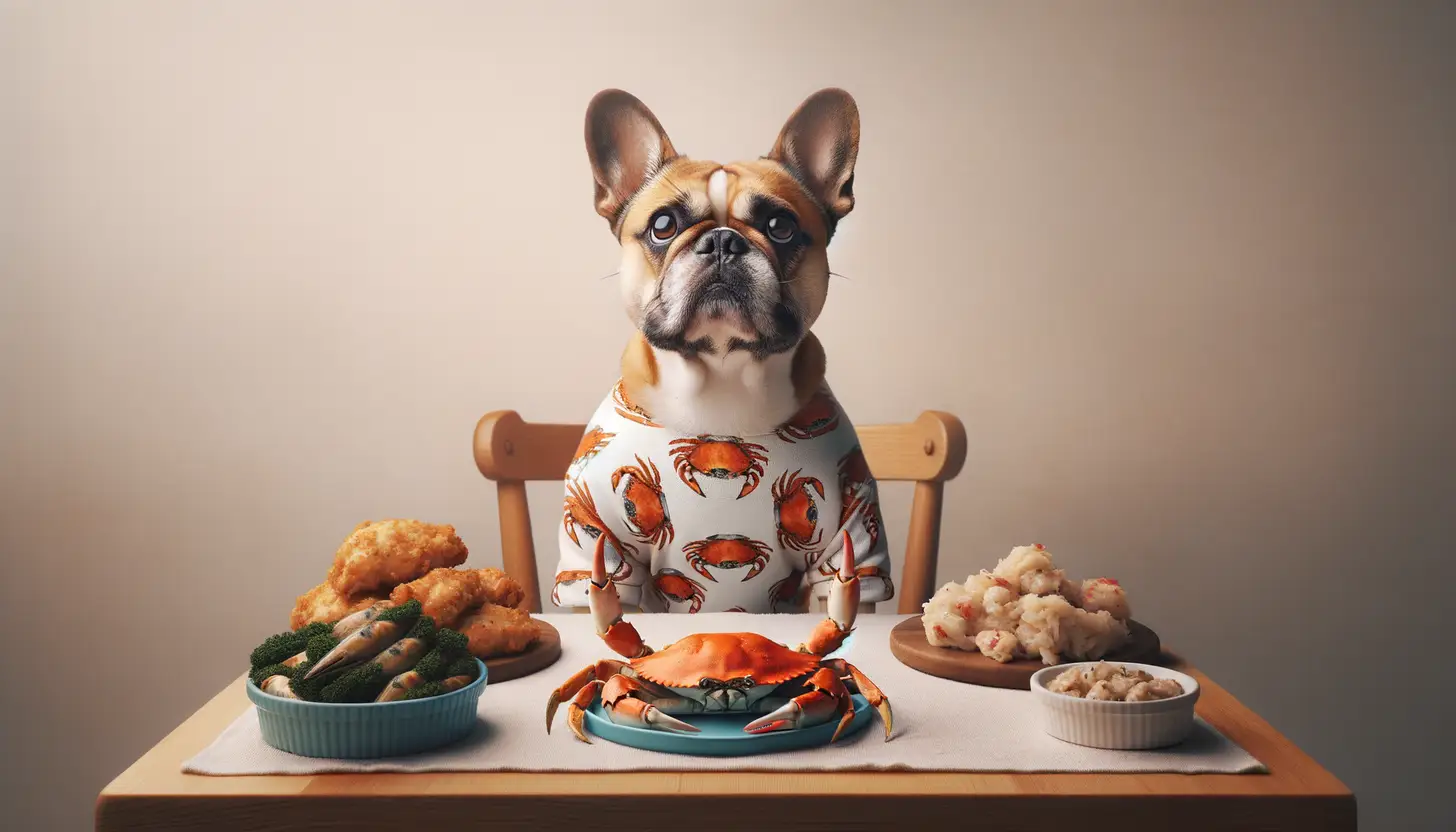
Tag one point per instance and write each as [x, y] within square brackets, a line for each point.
[449, 646]
[306, 689]
[424, 629]
[405, 613]
[463, 666]
[317, 628]
[319, 646]
[361, 684]
[276, 648]
[425, 691]
[310, 689]
[260, 673]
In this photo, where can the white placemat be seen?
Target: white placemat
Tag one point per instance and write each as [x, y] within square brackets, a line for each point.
[940, 725]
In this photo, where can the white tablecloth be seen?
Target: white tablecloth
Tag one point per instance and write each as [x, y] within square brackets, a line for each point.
[940, 725]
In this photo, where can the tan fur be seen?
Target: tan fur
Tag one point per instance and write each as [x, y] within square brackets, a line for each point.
[809, 284]
[796, 173]
[639, 367]
[808, 370]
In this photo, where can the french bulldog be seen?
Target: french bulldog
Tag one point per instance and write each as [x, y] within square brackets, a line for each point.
[724, 271]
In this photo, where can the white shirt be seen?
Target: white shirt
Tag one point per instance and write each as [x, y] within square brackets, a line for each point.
[720, 523]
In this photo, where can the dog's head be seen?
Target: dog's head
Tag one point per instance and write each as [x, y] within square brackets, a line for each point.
[718, 258]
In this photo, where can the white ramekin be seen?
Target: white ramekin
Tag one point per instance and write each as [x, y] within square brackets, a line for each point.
[1116, 725]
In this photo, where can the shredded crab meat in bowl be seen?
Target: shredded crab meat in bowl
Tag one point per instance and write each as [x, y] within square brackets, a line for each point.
[1113, 683]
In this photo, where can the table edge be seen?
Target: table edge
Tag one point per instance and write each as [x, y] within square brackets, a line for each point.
[1291, 772]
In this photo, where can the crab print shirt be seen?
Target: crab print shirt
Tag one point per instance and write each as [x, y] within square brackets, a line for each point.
[720, 523]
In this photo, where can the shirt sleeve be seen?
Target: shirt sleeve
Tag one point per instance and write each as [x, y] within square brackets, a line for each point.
[866, 528]
[590, 511]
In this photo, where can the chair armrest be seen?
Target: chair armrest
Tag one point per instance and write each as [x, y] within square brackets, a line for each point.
[947, 434]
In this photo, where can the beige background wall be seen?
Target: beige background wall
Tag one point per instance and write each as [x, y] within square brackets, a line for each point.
[1185, 270]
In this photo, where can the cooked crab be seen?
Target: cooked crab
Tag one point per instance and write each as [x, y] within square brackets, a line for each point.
[711, 673]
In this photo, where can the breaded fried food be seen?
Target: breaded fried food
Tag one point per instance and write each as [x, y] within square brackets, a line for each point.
[494, 630]
[444, 594]
[384, 553]
[497, 587]
[324, 603]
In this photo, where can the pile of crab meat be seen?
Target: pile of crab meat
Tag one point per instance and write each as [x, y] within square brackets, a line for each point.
[1027, 608]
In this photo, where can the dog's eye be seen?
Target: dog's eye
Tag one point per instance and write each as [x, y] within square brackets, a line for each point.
[664, 226]
[781, 227]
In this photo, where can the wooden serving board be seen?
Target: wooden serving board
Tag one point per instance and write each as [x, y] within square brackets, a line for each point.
[908, 644]
[537, 657]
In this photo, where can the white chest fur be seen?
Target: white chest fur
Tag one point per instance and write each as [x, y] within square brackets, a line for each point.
[723, 395]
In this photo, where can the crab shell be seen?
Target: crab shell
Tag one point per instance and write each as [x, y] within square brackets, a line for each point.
[703, 658]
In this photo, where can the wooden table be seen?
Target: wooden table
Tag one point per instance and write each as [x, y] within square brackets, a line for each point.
[1297, 794]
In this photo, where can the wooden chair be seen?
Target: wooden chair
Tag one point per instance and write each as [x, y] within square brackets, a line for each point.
[928, 451]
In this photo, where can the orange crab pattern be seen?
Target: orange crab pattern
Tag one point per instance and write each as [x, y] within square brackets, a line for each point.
[854, 476]
[580, 510]
[727, 551]
[790, 594]
[719, 457]
[686, 507]
[643, 502]
[566, 579]
[628, 409]
[672, 585]
[593, 442]
[795, 513]
[818, 417]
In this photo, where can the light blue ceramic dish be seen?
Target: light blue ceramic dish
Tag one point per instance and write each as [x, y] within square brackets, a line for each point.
[723, 735]
[367, 730]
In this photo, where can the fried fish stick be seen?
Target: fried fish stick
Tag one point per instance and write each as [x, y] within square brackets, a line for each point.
[379, 555]
[497, 587]
[324, 603]
[494, 630]
[444, 594]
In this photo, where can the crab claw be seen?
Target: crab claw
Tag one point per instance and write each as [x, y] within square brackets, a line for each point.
[350, 623]
[630, 711]
[364, 643]
[278, 686]
[843, 606]
[802, 711]
[844, 593]
[606, 609]
[400, 685]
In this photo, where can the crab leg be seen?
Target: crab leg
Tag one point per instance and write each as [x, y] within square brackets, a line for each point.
[826, 699]
[606, 609]
[857, 682]
[576, 711]
[599, 672]
[843, 605]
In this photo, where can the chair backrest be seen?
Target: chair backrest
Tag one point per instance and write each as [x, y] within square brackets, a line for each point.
[928, 451]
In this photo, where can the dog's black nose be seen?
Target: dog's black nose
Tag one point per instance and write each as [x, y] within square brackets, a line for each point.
[721, 242]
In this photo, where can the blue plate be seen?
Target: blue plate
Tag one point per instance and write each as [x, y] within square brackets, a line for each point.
[723, 735]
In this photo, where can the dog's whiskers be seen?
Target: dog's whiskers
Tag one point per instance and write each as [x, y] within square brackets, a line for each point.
[613, 274]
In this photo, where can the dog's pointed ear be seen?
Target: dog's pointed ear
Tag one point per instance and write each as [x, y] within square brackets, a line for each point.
[819, 143]
[626, 145]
